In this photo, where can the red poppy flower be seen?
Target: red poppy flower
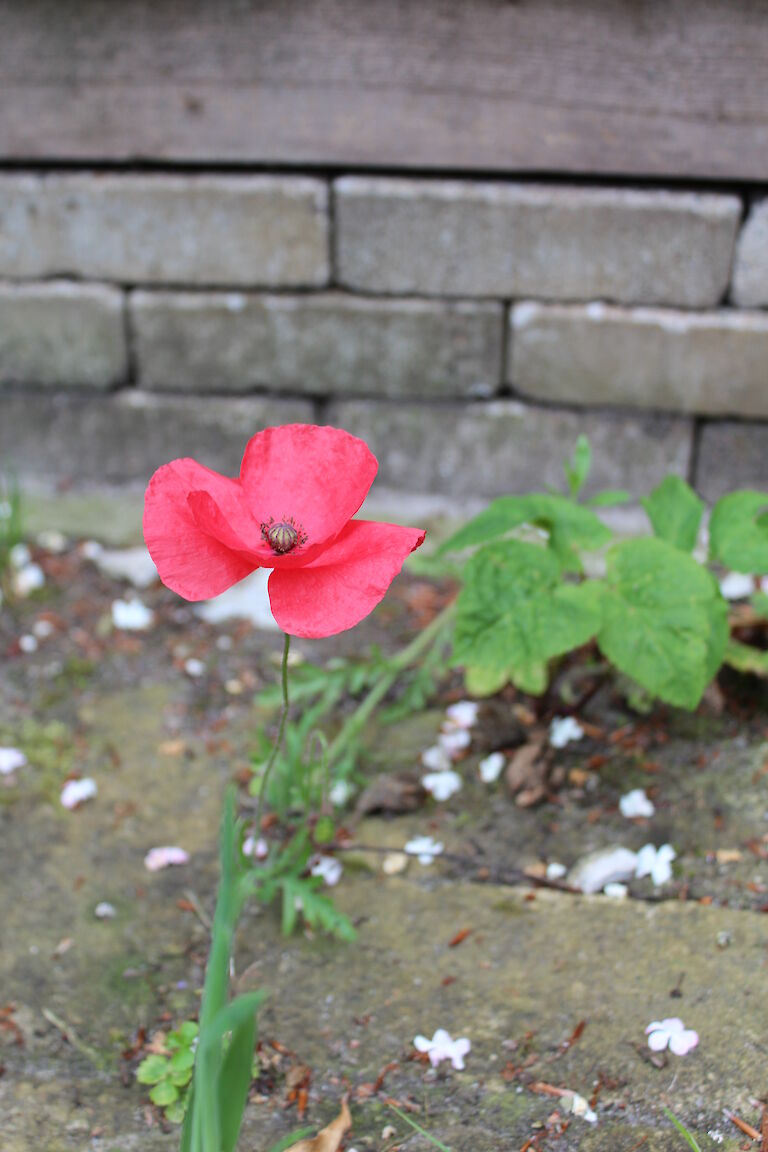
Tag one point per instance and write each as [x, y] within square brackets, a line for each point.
[290, 510]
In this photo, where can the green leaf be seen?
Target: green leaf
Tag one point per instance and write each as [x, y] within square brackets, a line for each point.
[577, 468]
[570, 527]
[186, 1131]
[760, 604]
[514, 614]
[738, 532]
[325, 830]
[292, 1138]
[164, 1094]
[184, 1035]
[688, 1136]
[152, 1069]
[675, 512]
[745, 658]
[176, 1112]
[662, 620]
[182, 1060]
[609, 498]
[235, 1080]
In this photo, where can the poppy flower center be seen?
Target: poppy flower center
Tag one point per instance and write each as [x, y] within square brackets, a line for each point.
[283, 535]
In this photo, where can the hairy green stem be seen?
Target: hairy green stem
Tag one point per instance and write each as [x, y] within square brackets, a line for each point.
[352, 727]
[280, 732]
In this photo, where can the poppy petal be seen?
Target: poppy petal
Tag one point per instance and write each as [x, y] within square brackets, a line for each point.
[190, 560]
[345, 583]
[318, 476]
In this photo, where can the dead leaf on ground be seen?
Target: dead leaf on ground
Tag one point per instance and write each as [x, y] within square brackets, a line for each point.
[329, 1140]
[527, 773]
[392, 792]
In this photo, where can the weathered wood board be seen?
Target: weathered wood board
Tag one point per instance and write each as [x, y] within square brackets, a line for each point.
[658, 88]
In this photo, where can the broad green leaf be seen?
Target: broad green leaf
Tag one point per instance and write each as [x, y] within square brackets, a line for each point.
[514, 614]
[184, 1035]
[176, 1112]
[662, 620]
[577, 468]
[182, 1060]
[609, 498]
[152, 1070]
[235, 1080]
[675, 512]
[738, 532]
[745, 658]
[164, 1094]
[570, 527]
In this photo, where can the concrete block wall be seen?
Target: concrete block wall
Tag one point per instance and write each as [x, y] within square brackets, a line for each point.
[470, 330]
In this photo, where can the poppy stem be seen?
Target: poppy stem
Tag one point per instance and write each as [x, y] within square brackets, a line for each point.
[280, 732]
[432, 634]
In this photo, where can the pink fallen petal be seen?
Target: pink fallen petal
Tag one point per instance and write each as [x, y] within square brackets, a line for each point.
[77, 792]
[681, 1043]
[165, 857]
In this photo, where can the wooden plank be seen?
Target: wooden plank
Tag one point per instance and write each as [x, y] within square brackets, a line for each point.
[658, 88]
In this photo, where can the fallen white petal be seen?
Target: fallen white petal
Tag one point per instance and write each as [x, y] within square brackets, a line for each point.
[132, 564]
[104, 911]
[636, 804]
[442, 785]
[194, 667]
[454, 741]
[28, 579]
[77, 792]
[580, 1107]
[563, 730]
[257, 848]
[28, 643]
[737, 586]
[491, 767]
[555, 870]
[327, 867]
[247, 600]
[616, 890]
[167, 856]
[605, 866]
[436, 758]
[132, 615]
[463, 714]
[42, 629]
[10, 760]
[425, 848]
[19, 556]
[51, 540]
[340, 793]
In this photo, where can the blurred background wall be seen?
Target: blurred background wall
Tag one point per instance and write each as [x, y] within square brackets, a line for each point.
[467, 230]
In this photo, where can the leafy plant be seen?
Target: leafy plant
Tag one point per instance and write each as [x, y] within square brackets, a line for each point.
[689, 1138]
[11, 525]
[170, 1076]
[657, 615]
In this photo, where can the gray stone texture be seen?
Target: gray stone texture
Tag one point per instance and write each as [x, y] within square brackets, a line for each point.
[121, 439]
[491, 449]
[731, 455]
[269, 231]
[750, 273]
[324, 344]
[713, 363]
[482, 239]
[62, 334]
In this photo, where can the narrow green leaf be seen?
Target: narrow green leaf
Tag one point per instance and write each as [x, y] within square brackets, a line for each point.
[738, 532]
[690, 1139]
[609, 498]
[418, 1128]
[235, 1080]
[186, 1131]
[577, 468]
[675, 512]
[292, 1138]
